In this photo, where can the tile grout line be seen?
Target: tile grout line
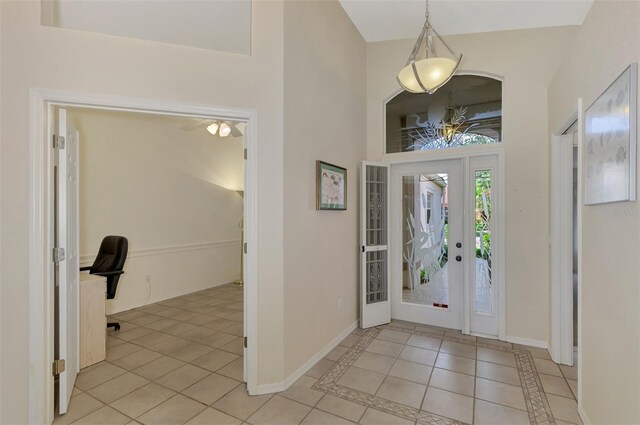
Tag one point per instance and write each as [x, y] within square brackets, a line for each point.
[142, 347]
[481, 344]
[367, 399]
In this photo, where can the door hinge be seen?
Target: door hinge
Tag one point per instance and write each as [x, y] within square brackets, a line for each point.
[245, 153]
[58, 255]
[58, 142]
[245, 248]
[245, 342]
[58, 367]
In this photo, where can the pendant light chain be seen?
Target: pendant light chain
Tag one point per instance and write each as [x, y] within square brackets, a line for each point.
[426, 11]
[427, 24]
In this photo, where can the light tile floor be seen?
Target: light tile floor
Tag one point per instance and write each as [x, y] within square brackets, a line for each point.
[180, 361]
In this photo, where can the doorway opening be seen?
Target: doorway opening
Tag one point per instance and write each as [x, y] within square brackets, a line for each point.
[437, 254]
[46, 106]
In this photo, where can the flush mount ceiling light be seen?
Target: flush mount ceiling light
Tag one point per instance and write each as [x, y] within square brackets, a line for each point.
[225, 129]
[213, 127]
[216, 127]
[429, 74]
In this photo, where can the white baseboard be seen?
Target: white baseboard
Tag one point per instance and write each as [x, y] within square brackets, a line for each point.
[583, 415]
[269, 388]
[298, 373]
[530, 342]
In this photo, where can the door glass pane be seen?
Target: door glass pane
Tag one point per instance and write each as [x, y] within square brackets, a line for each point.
[376, 225]
[425, 277]
[376, 233]
[376, 276]
[483, 223]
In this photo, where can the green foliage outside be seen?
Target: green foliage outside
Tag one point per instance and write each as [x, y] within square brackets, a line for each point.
[483, 213]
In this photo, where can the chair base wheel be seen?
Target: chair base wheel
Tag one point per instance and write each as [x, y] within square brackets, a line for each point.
[114, 325]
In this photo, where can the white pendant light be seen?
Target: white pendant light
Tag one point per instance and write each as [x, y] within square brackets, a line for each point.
[225, 129]
[429, 74]
[213, 127]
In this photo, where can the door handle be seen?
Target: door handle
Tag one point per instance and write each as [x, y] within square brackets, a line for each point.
[458, 258]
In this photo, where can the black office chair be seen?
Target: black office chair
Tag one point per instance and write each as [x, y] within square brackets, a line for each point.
[110, 263]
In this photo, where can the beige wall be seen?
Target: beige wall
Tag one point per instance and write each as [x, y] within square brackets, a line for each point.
[1, 225]
[171, 192]
[527, 61]
[324, 120]
[53, 58]
[222, 25]
[607, 43]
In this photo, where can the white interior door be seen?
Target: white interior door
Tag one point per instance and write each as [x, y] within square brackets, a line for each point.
[427, 275]
[374, 253]
[67, 264]
[562, 248]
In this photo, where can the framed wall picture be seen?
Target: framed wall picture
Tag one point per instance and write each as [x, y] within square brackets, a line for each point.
[610, 142]
[331, 187]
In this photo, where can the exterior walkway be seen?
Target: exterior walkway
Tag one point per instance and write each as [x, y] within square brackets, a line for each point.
[437, 290]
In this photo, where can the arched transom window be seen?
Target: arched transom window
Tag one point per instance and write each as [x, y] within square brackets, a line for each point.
[465, 111]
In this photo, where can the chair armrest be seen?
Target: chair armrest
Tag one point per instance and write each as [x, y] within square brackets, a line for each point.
[107, 274]
[84, 269]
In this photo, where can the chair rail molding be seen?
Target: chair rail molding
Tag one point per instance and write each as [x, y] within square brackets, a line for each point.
[170, 249]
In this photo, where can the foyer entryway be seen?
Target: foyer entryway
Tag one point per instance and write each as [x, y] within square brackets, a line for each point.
[431, 251]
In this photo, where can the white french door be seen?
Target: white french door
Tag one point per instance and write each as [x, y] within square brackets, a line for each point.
[375, 308]
[427, 272]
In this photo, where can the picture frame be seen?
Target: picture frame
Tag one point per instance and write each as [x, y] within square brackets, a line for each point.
[331, 187]
[610, 142]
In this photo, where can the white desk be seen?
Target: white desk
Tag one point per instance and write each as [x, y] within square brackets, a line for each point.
[93, 319]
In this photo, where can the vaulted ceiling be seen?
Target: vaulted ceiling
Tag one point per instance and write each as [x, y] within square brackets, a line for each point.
[380, 20]
[223, 25]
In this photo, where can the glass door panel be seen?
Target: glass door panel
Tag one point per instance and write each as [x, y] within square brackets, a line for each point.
[425, 278]
[426, 242]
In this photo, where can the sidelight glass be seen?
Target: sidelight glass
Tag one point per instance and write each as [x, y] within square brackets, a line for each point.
[483, 228]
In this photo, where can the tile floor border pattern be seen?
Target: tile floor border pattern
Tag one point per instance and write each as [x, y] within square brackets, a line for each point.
[537, 405]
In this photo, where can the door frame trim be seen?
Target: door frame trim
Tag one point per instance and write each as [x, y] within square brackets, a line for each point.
[561, 338]
[41, 320]
[464, 154]
[561, 237]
